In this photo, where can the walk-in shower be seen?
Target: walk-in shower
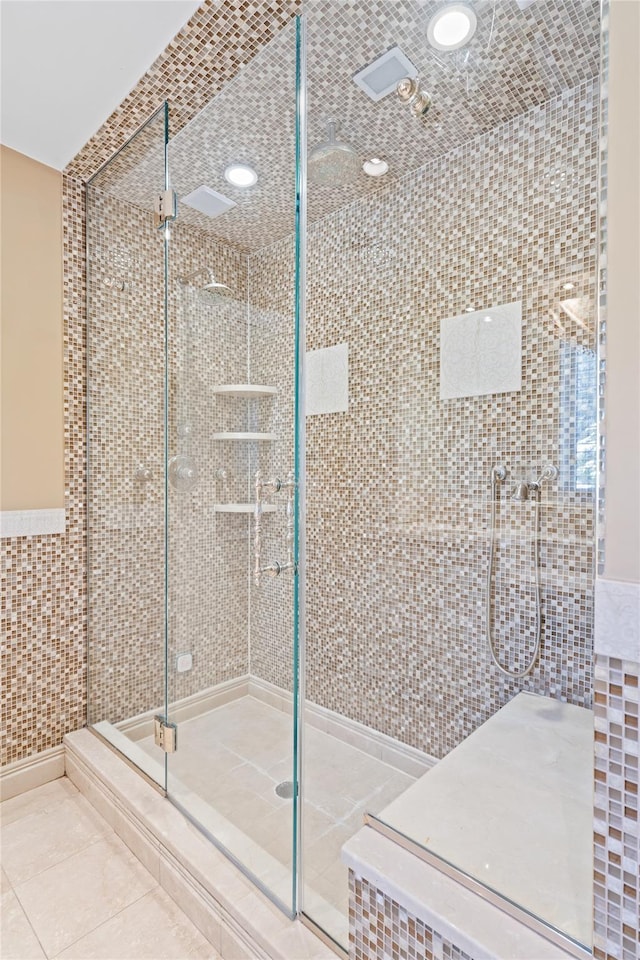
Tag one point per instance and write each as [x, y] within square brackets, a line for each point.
[302, 555]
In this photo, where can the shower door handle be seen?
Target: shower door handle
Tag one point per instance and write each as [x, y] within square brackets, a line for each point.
[263, 490]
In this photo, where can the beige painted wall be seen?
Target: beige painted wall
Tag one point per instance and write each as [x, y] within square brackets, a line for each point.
[623, 315]
[32, 448]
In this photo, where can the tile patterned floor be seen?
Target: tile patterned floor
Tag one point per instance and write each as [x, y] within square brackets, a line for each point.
[72, 889]
[232, 759]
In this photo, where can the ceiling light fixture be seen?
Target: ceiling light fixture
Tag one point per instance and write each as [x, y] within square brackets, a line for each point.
[452, 27]
[568, 286]
[375, 167]
[240, 175]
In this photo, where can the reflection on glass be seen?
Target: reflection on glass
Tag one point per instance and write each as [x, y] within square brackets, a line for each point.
[578, 426]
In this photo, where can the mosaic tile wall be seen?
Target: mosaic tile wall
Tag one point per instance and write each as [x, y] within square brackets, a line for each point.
[207, 552]
[495, 83]
[271, 313]
[380, 929]
[208, 52]
[617, 831]
[398, 487]
[43, 609]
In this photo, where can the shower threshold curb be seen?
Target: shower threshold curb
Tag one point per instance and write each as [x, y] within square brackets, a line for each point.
[238, 920]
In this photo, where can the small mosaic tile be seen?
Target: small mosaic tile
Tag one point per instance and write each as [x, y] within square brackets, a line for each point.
[43, 610]
[381, 929]
[617, 831]
[218, 40]
[398, 486]
[473, 91]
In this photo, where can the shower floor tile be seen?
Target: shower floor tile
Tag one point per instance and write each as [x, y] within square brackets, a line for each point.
[233, 758]
[71, 888]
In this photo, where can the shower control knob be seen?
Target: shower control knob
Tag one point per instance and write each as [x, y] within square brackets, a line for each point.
[143, 474]
[183, 473]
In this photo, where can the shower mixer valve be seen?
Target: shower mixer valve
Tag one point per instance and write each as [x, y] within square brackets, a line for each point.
[263, 490]
[524, 489]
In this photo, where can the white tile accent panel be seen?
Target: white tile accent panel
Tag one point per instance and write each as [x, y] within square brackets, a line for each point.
[479, 355]
[327, 379]
[31, 523]
[617, 619]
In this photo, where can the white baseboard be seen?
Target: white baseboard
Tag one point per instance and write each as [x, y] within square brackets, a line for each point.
[31, 772]
[141, 726]
[399, 755]
[23, 775]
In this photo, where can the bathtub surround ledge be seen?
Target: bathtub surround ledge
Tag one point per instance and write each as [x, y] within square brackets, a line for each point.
[222, 903]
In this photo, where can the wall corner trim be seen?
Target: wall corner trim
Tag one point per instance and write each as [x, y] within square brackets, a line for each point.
[617, 619]
[31, 523]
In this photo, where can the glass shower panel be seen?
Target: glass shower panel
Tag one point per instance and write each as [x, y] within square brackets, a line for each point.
[450, 326]
[231, 414]
[126, 322]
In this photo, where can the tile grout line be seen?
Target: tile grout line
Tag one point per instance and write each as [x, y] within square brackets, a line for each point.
[64, 859]
[31, 927]
[109, 919]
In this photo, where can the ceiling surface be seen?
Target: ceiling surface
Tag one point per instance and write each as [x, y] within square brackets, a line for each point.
[67, 64]
[517, 60]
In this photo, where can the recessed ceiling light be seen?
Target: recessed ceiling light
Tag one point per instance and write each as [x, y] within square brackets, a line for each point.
[375, 167]
[240, 175]
[451, 27]
[469, 309]
[487, 319]
[568, 286]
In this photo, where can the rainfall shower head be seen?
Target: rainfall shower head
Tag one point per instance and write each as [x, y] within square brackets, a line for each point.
[210, 282]
[215, 285]
[333, 162]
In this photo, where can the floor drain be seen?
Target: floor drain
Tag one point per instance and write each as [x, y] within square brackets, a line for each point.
[285, 789]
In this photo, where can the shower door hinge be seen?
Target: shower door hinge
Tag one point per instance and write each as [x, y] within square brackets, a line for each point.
[165, 734]
[165, 207]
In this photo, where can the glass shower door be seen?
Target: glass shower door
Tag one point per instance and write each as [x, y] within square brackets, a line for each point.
[127, 251]
[231, 468]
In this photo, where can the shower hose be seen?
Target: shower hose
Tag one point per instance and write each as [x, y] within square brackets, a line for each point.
[495, 475]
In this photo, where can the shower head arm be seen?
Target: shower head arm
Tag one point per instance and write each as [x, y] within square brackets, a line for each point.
[205, 272]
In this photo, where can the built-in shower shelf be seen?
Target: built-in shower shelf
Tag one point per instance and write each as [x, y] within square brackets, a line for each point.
[244, 436]
[242, 507]
[245, 390]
